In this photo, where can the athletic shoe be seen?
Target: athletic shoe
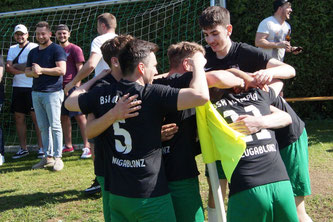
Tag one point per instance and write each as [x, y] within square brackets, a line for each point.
[94, 188]
[66, 149]
[21, 153]
[58, 164]
[45, 162]
[86, 153]
[40, 154]
[2, 159]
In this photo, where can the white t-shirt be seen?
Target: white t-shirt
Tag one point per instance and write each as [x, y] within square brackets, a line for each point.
[96, 47]
[276, 33]
[20, 80]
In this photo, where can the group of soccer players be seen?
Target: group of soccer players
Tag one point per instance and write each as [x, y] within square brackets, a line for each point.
[144, 128]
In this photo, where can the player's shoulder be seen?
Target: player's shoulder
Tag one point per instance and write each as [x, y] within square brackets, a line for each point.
[242, 46]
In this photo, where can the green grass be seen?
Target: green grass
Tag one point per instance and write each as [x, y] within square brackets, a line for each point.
[44, 195]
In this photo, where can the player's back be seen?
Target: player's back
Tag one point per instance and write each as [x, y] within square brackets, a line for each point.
[261, 162]
[135, 154]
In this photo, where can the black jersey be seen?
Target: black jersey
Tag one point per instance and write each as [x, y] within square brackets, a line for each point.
[98, 150]
[241, 55]
[261, 162]
[289, 134]
[179, 152]
[132, 147]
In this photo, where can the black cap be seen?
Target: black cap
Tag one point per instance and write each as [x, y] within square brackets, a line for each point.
[62, 27]
[278, 3]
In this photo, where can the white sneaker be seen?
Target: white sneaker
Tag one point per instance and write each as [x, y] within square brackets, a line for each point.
[58, 164]
[86, 153]
[2, 159]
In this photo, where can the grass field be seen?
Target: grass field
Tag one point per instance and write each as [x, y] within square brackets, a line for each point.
[44, 195]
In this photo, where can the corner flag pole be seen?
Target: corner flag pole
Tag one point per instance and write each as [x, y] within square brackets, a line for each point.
[217, 192]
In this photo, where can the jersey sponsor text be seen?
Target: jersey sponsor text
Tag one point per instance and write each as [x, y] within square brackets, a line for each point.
[257, 150]
[139, 163]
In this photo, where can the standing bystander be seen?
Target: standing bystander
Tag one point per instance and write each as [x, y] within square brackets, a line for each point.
[273, 34]
[47, 64]
[75, 60]
[21, 97]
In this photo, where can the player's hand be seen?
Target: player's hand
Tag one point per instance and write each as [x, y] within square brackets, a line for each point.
[168, 131]
[250, 82]
[68, 87]
[197, 60]
[263, 77]
[246, 124]
[127, 107]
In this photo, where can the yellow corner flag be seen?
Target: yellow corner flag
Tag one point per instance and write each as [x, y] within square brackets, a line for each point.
[218, 141]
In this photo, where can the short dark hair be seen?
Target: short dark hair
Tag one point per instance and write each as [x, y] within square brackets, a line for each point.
[43, 24]
[213, 16]
[108, 20]
[178, 52]
[133, 53]
[112, 47]
[278, 3]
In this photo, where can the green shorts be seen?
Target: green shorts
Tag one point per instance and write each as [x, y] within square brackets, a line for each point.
[296, 159]
[106, 201]
[266, 203]
[186, 200]
[219, 169]
[141, 209]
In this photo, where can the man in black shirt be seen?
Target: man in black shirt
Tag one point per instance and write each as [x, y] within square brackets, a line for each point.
[223, 53]
[134, 170]
[259, 189]
[125, 108]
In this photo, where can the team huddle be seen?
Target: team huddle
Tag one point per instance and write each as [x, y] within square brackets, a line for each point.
[143, 127]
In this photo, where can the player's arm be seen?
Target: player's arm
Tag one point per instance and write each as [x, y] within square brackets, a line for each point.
[72, 102]
[248, 124]
[223, 79]
[85, 71]
[275, 69]
[58, 70]
[198, 93]
[262, 42]
[126, 107]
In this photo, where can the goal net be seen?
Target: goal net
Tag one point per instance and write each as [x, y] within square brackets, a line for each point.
[163, 22]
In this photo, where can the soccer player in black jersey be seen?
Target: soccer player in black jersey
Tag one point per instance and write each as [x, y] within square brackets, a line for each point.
[260, 189]
[223, 53]
[125, 108]
[179, 151]
[134, 171]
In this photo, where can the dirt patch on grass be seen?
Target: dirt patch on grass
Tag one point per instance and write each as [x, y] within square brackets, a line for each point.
[321, 180]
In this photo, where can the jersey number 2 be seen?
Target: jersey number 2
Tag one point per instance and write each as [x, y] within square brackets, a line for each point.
[262, 134]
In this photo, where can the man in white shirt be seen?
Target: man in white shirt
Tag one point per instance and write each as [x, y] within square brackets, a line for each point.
[106, 26]
[273, 33]
[21, 98]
